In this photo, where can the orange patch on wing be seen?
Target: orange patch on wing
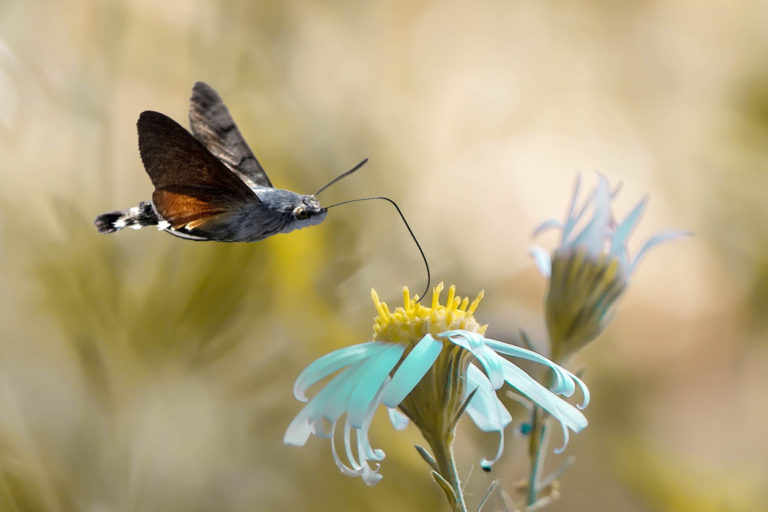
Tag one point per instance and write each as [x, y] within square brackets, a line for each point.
[186, 211]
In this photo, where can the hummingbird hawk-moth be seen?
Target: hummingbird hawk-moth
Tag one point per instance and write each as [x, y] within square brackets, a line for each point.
[209, 186]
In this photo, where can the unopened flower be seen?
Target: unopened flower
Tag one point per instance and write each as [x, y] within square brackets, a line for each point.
[432, 363]
[590, 268]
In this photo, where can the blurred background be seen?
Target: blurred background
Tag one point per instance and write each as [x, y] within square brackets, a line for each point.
[142, 372]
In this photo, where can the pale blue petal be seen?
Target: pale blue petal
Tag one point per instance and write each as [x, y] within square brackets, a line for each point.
[593, 234]
[376, 371]
[652, 242]
[369, 475]
[570, 220]
[363, 442]
[475, 343]
[298, 432]
[364, 449]
[331, 363]
[309, 420]
[542, 259]
[563, 384]
[398, 419]
[411, 370]
[338, 403]
[573, 221]
[582, 209]
[356, 466]
[623, 230]
[339, 463]
[486, 464]
[485, 408]
[547, 224]
[335, 398]
[343, 467]
[566, 414]
[359, 464]
[565, 381]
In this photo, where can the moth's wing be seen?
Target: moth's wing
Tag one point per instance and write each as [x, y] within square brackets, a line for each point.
[192, 187]
[213, 125]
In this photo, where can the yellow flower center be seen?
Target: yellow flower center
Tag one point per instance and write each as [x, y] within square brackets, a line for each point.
[409, 323]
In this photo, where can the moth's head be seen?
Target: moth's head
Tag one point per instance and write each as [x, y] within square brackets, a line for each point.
[308, 212]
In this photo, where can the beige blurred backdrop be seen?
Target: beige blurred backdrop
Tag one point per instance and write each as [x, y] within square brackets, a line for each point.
[140, 372]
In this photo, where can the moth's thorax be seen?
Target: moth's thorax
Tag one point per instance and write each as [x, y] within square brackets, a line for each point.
[290, 210]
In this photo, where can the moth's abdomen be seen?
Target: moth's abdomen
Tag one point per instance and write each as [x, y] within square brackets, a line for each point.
[137, 217]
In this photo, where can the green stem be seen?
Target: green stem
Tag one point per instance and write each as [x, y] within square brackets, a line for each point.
[537, 447]
[536, 451]
[446, 466]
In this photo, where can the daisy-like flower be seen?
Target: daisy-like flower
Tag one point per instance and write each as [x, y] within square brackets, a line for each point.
[429, 365]
[590, 268]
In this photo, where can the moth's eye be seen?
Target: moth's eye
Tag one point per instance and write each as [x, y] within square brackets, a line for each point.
[300, 213]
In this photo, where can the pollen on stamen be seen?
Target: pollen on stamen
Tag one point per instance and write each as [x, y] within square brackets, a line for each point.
[451, 295]
[411, 321]
[476, 302]
[436, 295]
[407, 300]
[382, 312]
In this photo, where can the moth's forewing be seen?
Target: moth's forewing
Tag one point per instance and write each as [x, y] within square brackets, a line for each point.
[192, 187]
[212, 124]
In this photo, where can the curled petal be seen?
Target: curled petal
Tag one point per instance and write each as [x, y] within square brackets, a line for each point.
[352, 392]
[594, 233]
[486, 464]
[333, 362]
[411, 370]
[570, 220]
[369, 475]
[543, 260]
[485, 409]
[565, 382]
[399, 420]
[547, 224]
[652, 242]
[373, 373]
[342, 396]
[602, 234]
[310, 420]
[566, 414]
[627, 226]
[359, 464]
[475, 343]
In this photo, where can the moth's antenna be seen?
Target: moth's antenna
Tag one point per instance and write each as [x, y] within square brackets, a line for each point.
[342, 176]
[429, 276]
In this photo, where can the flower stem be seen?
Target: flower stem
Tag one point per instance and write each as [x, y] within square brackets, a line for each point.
[536, 450]
[442, 449]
